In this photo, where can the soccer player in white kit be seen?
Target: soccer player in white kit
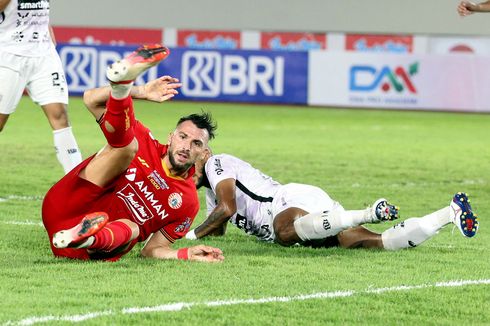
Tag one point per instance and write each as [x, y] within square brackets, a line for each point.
[304, 214]
[28, 59]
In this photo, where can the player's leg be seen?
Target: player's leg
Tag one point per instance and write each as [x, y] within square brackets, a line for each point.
[359, 237]
[356, 237]
[96, 233]
[3, 120]
[308, 213]
[118, 122]
[47, 87]
[10, 92]
[118, 127]
[414, 231]
[69, 227]
[65, 144]
[284, 230]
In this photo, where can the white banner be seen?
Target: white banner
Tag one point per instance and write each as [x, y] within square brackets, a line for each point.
[457, 82]
[478, 45]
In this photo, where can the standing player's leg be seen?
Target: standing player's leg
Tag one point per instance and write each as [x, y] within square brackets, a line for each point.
[11, 91]
[48, 88]
[65, 144]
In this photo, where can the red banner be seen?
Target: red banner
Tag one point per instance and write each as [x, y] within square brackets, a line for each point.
[293, 41]
[379, 43]
[208, 39]
[107, 36]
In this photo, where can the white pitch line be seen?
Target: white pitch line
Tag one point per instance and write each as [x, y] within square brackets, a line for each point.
[189, 305]
[22, 223]
[18, 197]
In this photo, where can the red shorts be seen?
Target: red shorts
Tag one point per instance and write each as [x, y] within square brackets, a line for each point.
[68, 201]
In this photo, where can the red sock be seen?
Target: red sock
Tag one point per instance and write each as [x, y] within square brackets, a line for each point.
[120, 115]
[112, 236]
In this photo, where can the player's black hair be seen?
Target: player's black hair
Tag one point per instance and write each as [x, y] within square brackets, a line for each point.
[202, 121]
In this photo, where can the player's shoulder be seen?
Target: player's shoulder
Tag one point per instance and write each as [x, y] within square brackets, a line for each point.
[224, 156]
[223, 160]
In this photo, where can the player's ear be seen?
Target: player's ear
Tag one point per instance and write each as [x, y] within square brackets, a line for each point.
[206, 154]
[169, 139]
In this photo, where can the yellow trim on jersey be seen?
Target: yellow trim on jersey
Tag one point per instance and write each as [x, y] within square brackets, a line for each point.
[166, 235]
[168, 173]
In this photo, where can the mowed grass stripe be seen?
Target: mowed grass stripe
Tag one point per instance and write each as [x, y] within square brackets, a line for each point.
[174, 307]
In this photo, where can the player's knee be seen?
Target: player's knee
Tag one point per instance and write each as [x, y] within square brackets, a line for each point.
[129, 151]
[285, 235]
[57, 115]
[283, 240]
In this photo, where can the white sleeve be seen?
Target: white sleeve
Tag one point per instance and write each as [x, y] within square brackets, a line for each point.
[219, 168]
[210, 201]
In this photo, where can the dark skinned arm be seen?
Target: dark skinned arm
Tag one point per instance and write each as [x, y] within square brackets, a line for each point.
[215, 223]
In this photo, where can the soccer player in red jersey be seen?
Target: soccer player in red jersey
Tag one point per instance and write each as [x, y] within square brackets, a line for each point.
[134, 188]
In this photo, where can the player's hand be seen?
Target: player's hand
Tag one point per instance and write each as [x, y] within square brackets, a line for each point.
[162, 89]
[205, 254]
[466, 8]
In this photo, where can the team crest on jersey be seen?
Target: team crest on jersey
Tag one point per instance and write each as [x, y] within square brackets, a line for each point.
[131, 174]
[184, 226]
[175, 200]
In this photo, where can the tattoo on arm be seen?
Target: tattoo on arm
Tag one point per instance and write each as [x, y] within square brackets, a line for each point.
[215, 224]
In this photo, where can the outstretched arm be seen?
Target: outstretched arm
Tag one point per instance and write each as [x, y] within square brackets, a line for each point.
[160, 247]
[215, 223]
[466, 8]
[158, 90]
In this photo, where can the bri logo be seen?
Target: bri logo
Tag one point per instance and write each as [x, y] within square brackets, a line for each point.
[365, 78]
[211, 74]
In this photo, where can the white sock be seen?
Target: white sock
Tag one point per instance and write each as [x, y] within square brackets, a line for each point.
[414, 231]
[120, 91]
[66, 147]
[358, 217]
[321, 225]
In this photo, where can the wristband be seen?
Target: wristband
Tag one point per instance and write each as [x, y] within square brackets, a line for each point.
[183, 253]
[191, 235]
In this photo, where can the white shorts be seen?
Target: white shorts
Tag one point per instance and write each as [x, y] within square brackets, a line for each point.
[43, 78]
[308, 198]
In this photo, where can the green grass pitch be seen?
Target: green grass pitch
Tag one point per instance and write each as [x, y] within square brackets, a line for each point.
[416, 159]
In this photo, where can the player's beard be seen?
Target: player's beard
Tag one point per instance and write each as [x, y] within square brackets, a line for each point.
[178, 167]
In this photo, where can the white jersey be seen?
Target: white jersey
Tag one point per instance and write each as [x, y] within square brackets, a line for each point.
[24, 28]
[254, 194]
[259, 198]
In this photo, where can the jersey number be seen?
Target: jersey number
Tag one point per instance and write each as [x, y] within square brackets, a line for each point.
[56, 79]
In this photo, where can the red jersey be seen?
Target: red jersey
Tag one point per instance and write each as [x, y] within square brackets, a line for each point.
[146, 194]
[149, 196]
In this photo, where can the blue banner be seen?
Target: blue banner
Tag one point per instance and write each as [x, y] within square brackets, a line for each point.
[207, 75]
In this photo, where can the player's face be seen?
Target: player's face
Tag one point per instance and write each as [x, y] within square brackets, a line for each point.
[186, 144]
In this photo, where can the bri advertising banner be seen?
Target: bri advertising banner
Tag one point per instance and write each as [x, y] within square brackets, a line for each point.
[207, 75]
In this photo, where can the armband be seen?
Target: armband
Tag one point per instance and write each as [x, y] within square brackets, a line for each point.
[183, 253]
